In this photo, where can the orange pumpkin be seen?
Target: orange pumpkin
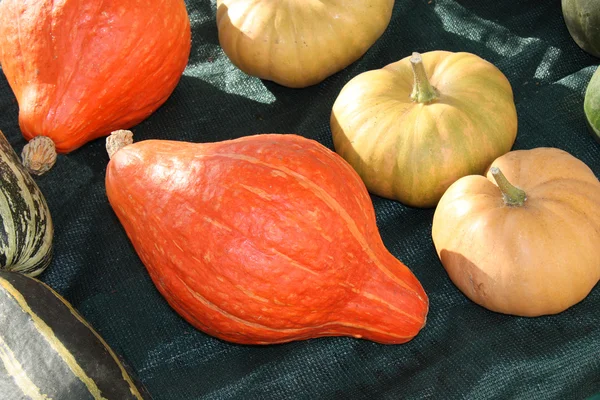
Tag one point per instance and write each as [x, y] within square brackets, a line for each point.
[263, 239]
[81, 69]
[413, 127]
[529, 244]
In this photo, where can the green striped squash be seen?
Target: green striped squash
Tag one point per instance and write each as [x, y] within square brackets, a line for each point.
[26, 229]
[48, 351]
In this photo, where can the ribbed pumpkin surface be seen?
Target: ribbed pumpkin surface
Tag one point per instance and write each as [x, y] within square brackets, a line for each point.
[263, 239]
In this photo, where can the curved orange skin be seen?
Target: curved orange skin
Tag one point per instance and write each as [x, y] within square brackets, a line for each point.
[81, 69]
[263, 239]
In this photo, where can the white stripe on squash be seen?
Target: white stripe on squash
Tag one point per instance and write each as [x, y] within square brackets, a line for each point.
[29, 256]
[132, 388]
[53, 341]
[16, 371]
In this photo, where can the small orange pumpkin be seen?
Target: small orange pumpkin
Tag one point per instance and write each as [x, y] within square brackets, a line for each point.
[529, 245]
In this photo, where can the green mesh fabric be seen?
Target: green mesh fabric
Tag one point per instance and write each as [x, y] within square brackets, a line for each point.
[464, 352]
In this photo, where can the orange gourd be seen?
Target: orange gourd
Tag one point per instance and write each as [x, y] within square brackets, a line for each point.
[264, 239]
[81, 69]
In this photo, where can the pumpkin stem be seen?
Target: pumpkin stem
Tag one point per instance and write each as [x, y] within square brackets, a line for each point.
[513, 196]
[117, 140]
[39, 155]
[422, 92]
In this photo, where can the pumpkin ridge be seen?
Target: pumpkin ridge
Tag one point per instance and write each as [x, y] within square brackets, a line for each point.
[258, 326]
[375, 298]
[362, 328]
[65, 85]
[21, 64]
[235, 318]
[53, 341]
[573, 179]
[297, 49]
[461, 104]
[269, 60]
[272, 250]
[567, 205]
[332, 203]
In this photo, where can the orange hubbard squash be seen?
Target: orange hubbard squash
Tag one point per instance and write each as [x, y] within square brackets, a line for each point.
[264, 239]
[81, 69]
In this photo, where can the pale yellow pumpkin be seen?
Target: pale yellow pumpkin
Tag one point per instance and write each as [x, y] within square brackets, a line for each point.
[298, 43]
[415, 126]
[526, 239]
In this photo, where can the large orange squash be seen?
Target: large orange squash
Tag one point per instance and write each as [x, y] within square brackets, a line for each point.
[82, 68]
[263, 239]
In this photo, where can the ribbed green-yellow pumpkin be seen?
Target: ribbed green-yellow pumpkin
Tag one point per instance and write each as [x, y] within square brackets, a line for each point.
[415, 126]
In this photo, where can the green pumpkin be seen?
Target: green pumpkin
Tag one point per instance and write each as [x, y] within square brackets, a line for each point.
[583, 22]
[591, 105]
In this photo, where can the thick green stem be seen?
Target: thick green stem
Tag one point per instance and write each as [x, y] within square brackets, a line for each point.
[422, 92]
[513, 196]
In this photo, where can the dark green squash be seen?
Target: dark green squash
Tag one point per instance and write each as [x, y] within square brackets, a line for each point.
[591, 105]
[48, 351]
[26, 229]
[583, 22]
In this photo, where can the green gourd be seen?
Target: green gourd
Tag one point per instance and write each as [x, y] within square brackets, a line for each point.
[582, 18]
[26, 229]
[591, 105]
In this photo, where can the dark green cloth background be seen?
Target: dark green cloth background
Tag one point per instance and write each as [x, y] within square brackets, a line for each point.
[465, 351]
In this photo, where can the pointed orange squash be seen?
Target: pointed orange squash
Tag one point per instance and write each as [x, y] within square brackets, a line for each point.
[264, 239]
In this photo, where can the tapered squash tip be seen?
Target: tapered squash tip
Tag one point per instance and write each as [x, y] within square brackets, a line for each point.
[39, 155]
[117, 140]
